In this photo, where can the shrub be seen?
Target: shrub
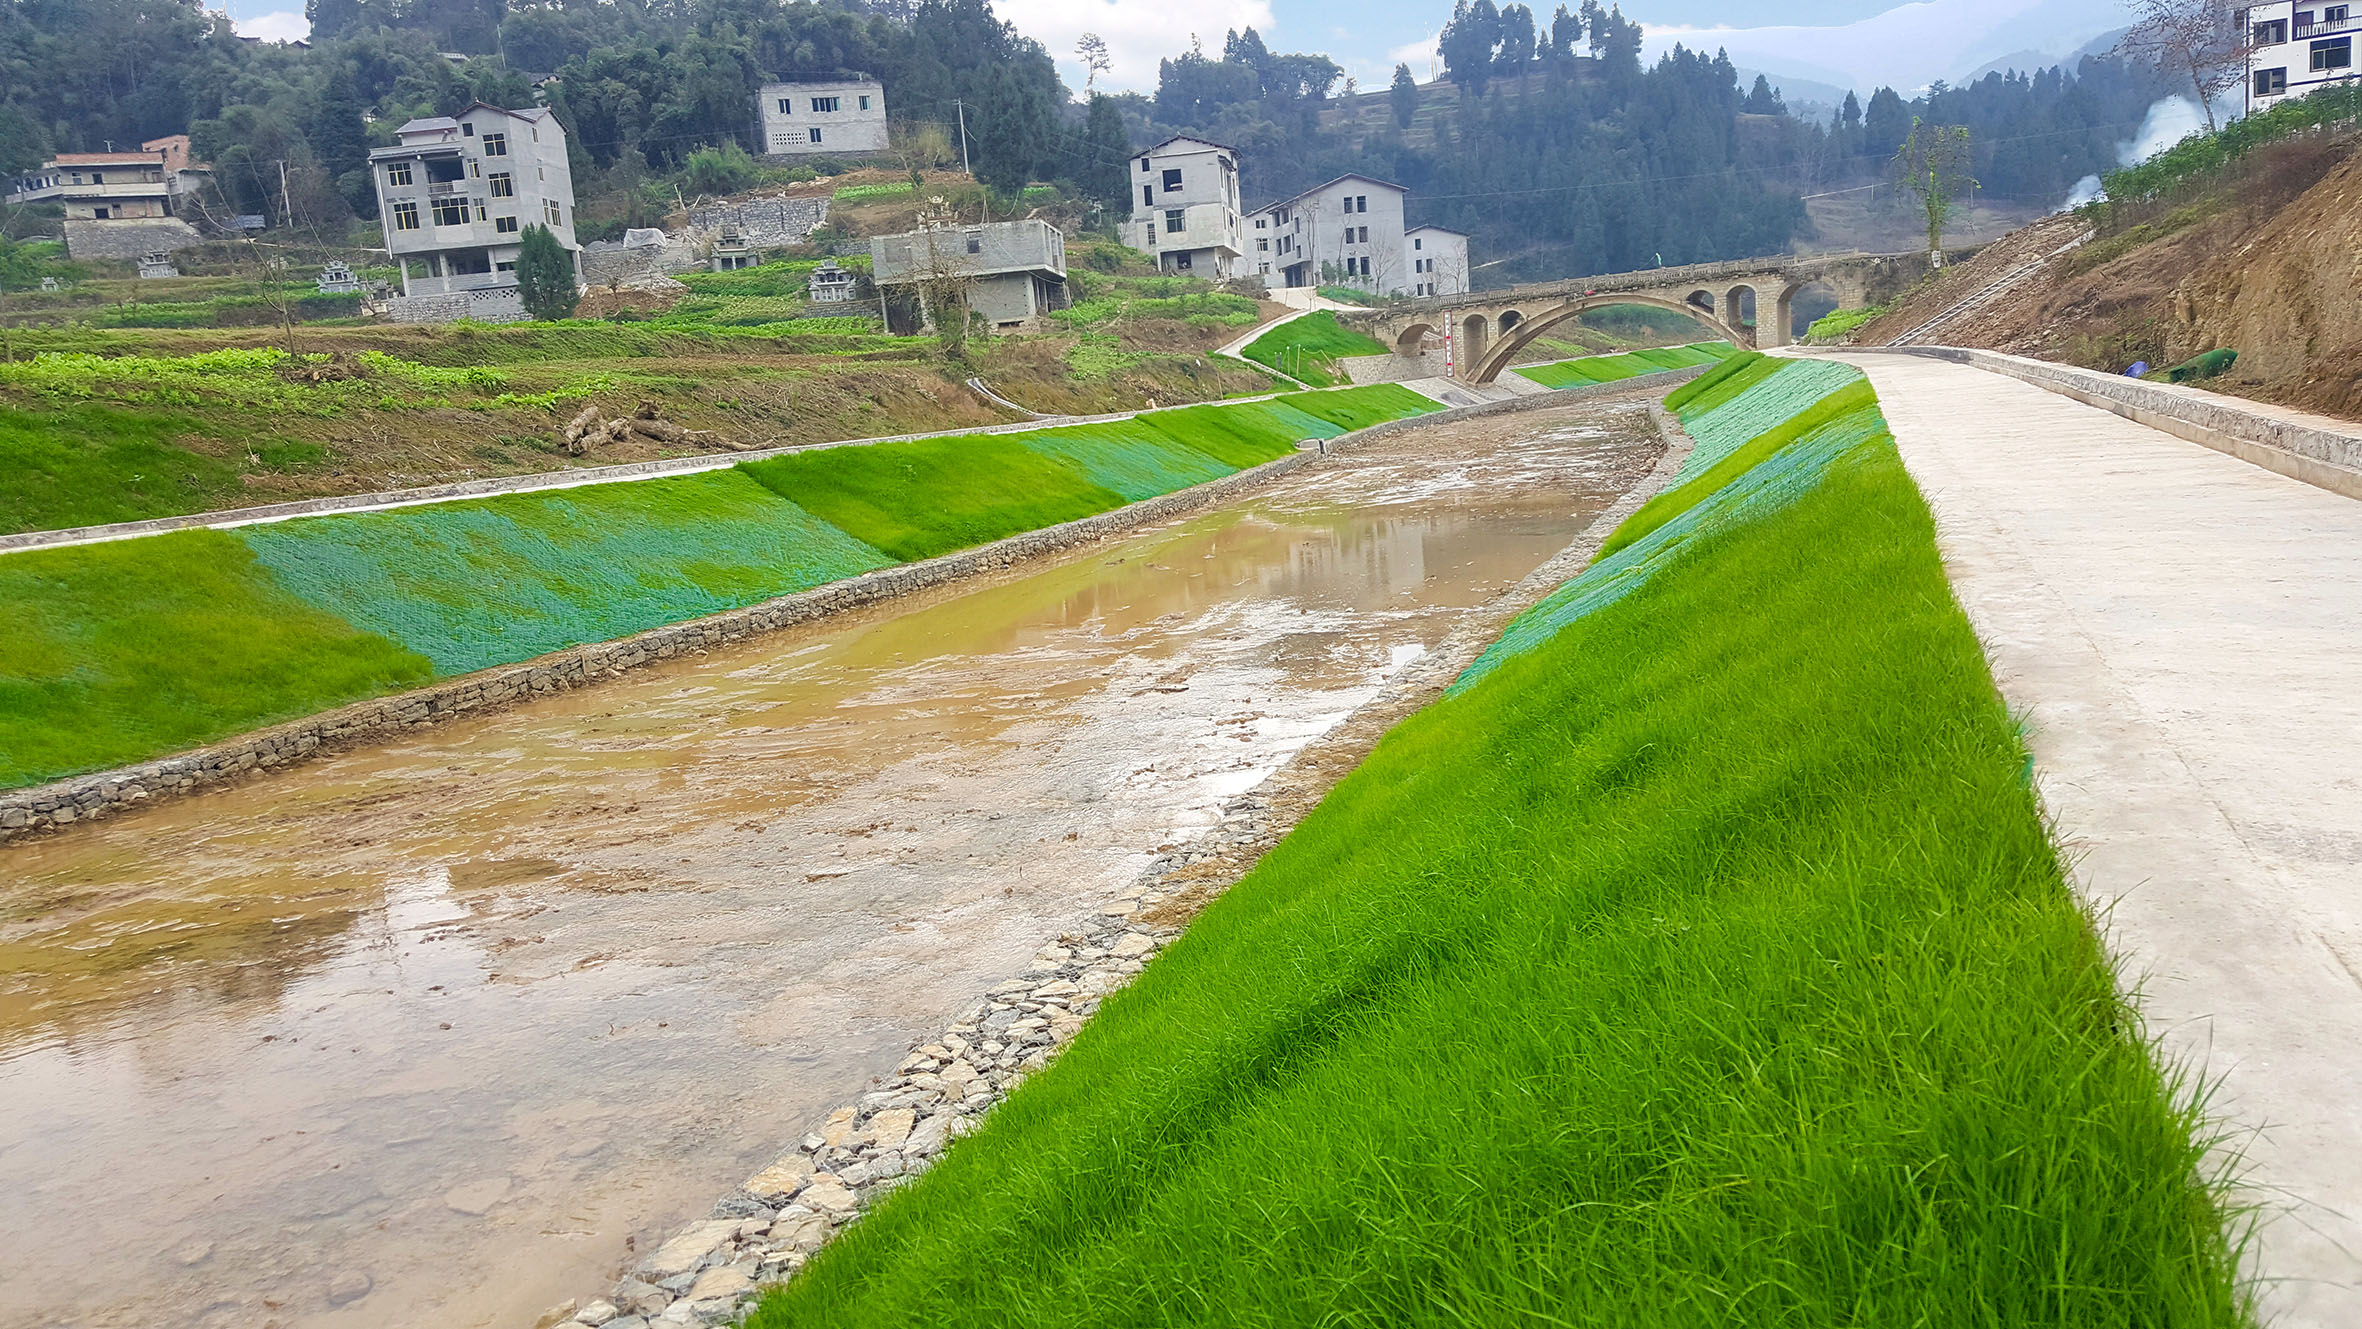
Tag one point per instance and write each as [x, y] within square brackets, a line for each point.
[720, 170]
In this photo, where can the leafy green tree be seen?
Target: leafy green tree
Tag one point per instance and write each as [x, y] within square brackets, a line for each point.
[341, 143]
[545, 275]
[1932, 166]
[1467, 43]
[723, 170]
[1886, 124]
[1517, 41]
[1403, 96]
[1106, 151]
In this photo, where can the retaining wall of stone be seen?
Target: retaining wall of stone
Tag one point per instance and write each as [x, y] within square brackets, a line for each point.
[64, 803]
[2314, 453]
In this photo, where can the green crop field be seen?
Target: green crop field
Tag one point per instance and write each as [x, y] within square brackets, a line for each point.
[119, 651]
[1308, 348]
[1700, 960]
[492, 581]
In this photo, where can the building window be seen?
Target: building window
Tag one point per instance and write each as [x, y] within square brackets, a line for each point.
[398, 174]
[787, 106]
[823, 105]
[1181, 260]
[2271, 82]
[1263, 246]
[1148, 195]
[1174, 220]
[2271, 32]
[504, 185]
[505, 265]
[405, 216]
[505, 225]
[496, 145]
[1143, 166]
[2334, 14]
[450, 211]
[865, 101]
[1419, 244]
[815, 136]
[2336, 53]
[1172, 179]
[549, 208]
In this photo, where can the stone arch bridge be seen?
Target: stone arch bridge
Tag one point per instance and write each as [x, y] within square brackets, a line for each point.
[1489, 330]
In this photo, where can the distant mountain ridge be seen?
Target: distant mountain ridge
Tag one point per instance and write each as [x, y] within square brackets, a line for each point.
[1910, 46]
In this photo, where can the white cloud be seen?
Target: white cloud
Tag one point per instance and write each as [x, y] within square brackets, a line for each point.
[279, 26]
[1426, 65]
[1138, 33]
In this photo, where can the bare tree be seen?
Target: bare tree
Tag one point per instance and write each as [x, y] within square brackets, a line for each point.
[1932, 165]
[1092, 51]
[940, 269]
[2198, 39]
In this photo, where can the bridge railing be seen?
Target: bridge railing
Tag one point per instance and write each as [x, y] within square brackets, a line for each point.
[1788, 266]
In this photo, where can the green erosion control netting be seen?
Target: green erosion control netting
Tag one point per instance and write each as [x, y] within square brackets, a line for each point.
[115, 652]
[1628, 364]
[1772, 482]
[121, 651]
[492, 581]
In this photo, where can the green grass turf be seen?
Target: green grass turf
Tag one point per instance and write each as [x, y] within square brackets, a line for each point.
[87, 464]
[1706, 964]
[1734, 375]
[1359, 408]
[930, 496]
[1308, 348]
[493, 581]
[1133, 457]
[1588, 369]
[1694, 488]
[116, 652]
[1243, 434]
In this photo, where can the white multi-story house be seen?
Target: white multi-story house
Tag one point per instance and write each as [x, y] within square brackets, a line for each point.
[455, 194]
[1438, 261]
[2295, 47]
[1185, 208]
[831, 116]
[1347, 232]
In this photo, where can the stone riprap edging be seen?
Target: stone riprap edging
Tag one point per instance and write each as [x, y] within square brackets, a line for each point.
[2308, 448]
[76, 799]
[710, 1272]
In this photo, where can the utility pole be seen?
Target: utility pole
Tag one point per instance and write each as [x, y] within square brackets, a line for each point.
[286, 204]
[962, 107]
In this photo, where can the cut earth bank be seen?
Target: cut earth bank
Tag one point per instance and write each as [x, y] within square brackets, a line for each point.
[1699, 957]
[140, 647]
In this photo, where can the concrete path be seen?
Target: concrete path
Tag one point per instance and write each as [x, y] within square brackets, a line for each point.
[2184, 632]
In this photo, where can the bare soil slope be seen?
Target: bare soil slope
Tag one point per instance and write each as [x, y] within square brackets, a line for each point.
[2268, 263]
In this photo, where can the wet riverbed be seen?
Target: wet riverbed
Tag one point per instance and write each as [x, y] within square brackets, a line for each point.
[438, 1033]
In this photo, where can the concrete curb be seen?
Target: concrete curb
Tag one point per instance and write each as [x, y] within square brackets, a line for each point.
[62, 803]
[2290, 445]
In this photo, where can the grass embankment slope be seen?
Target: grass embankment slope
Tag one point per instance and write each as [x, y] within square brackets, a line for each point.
[1699, 960]
[1590, 369]
[130, 649]
[1308, 348]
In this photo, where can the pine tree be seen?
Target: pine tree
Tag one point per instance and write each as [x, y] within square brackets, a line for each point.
[1404, 96]
[545, 275]
[341, 141]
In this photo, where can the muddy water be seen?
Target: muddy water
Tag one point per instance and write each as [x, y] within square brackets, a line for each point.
[437, 1034]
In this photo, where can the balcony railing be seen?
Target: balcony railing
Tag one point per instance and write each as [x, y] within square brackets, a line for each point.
[2307, 31]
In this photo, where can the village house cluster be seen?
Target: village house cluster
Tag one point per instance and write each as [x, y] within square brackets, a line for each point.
[1185, 213]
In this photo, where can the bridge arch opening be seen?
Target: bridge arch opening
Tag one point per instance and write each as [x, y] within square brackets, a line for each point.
[1700, 300]
[1510, 318]
[1473, 341]
[1483, 366]
[1739, 308]
[1412, 341]
[1800, 306]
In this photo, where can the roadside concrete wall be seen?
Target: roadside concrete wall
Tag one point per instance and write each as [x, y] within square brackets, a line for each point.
[77, 799]
[2313, 449]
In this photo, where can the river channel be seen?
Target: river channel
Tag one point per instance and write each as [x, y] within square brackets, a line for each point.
[441, 1032]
